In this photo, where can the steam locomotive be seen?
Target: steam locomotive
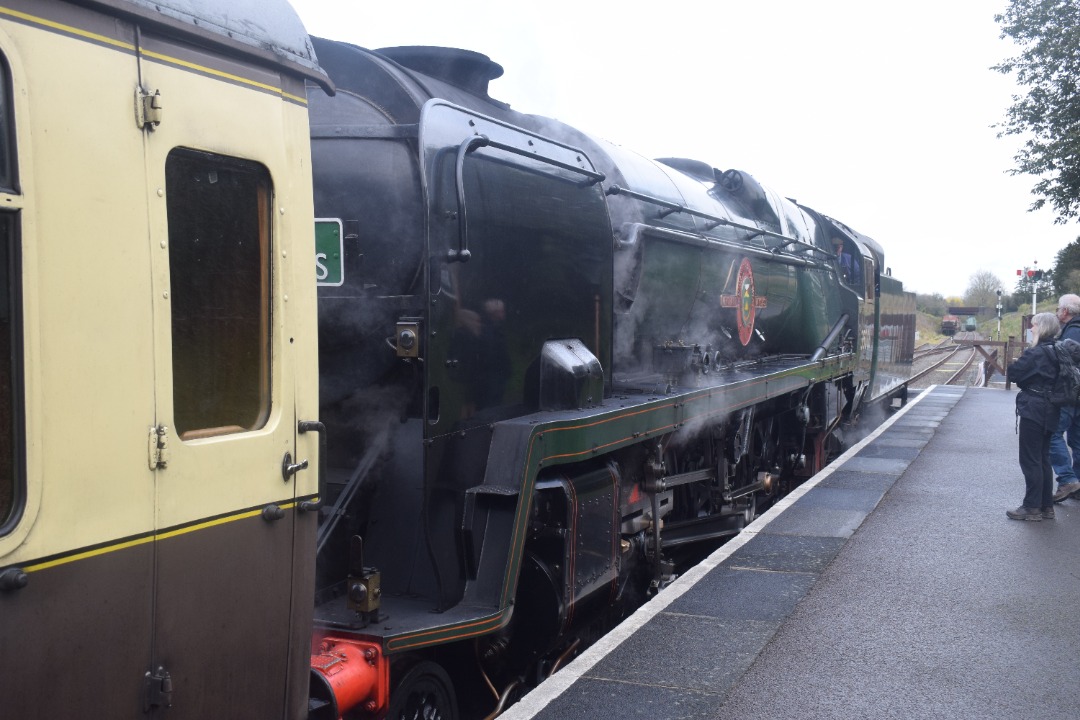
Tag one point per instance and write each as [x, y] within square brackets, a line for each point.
[409, 463]
[553, 371]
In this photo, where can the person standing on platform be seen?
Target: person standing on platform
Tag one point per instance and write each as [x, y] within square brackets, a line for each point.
[1065, 445]
[1034, 373]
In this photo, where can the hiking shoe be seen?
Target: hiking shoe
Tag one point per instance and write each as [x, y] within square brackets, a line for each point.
[1067, 490]
[1025, 513]
[1048, 513]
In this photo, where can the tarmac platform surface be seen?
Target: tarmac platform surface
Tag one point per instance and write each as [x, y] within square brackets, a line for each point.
[889, 585]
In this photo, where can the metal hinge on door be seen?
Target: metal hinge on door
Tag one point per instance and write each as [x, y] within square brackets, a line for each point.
[157, 690]
[158, 447]
[148, 109]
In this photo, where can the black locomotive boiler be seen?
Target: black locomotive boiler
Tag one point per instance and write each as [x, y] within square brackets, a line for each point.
[552, 371]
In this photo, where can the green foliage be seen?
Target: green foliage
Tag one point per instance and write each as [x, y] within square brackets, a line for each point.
[1067, 269]
[1012, 322]
[930, 304]
[1048, 33]
[1043, 284]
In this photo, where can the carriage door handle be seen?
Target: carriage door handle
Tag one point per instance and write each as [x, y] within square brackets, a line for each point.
[289, 468]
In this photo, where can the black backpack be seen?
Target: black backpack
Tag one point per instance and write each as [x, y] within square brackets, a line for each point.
[1066, 388]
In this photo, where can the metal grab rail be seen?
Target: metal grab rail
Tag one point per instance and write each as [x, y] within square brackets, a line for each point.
[475, 142]
[306, 426]
[714, 221]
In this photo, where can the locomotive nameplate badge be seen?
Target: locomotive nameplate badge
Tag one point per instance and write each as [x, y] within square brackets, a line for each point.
[329, 252]
[744, 301]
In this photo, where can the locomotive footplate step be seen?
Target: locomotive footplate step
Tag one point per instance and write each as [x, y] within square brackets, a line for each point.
[930, 601]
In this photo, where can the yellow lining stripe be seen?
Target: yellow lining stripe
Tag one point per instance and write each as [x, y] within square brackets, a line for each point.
[88, 554]
[224, 75]
[67, 28]
[150, 538]
[26, 17]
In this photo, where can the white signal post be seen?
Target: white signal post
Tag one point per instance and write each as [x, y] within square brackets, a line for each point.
[999, 315]
[1032, 275]
[1033, 286]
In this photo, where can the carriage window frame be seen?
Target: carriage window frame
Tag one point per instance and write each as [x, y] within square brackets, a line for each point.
[220, 277]
[13, 457]
[13, 491]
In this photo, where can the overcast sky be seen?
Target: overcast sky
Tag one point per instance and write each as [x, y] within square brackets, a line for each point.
[877, 114]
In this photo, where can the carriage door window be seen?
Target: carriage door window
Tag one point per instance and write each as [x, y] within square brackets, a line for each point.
[11, 408]
[219, 276]
[10, 387]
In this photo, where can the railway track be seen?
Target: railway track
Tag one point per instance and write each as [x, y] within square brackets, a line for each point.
[927, 351]
[937, 364]
[965, 371]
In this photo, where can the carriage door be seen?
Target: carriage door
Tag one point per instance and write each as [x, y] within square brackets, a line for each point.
[224, 445]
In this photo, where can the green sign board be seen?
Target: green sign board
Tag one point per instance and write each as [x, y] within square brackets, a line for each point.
[329, 252]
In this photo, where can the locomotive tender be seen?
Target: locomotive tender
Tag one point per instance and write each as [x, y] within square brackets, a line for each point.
[542, 375]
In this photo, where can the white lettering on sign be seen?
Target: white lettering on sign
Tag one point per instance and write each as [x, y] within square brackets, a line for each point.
[321, 271]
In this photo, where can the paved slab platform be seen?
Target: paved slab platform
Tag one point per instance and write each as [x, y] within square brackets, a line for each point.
[891, 585]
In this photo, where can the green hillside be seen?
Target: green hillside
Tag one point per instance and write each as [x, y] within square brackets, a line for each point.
[929, 326]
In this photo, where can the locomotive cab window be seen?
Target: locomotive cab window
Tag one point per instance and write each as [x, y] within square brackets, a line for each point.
[849, 263]
[219, 275]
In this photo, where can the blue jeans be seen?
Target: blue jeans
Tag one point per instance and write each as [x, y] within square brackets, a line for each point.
[1066, 458]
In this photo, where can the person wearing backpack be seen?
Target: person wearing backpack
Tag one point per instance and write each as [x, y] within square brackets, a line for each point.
[1065, 444]
[1034, 373]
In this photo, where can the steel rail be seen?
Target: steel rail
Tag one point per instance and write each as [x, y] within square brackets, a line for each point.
[965, 369]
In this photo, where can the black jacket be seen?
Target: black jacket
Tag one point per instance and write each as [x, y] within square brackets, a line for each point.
[1071, 331]
[1034, 373]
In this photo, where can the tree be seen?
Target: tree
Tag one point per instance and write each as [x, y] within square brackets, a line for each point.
[982, 289]
[1067, 269]
[1042, 283]
[1048, 32]
[931, 304]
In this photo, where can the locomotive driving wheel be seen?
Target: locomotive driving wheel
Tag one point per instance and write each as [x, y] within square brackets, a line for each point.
[424, 693]
[749, 509]
[765, 449]
[759, 466]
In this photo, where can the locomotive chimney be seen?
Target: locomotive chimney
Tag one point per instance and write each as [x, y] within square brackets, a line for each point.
[465, 69]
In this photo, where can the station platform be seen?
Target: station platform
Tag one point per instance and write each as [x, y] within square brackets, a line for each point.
[889, 585]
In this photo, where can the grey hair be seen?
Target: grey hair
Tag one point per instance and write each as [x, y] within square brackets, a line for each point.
[1070, 303]
[1044, 325]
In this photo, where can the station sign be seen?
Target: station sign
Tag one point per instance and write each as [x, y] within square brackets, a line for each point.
[329, 252]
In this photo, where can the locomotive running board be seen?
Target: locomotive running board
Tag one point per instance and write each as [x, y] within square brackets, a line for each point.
[522, 447]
